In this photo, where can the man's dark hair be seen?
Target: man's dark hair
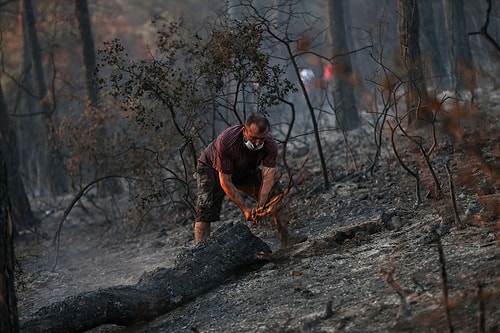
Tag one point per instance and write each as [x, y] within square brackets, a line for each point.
[261, 122]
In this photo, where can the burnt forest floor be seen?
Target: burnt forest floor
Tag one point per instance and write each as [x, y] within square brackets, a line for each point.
[347, 276]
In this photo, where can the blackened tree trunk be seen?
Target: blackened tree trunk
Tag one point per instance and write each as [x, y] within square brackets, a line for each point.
[51, 173]
[9, 321]
[112, 185]
[230, 250]
[461, 58]
[343, 89]
[27, 128]
[414, 80]
[432, 43]
[88, 50]
[21, 215]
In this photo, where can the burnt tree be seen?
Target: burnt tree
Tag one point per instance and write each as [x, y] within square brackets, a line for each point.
[415, 86]
[51, 175]
[88, 50]
[343, 88]
[21, 215]
[232, 249]
[8, 304]
[458, 40]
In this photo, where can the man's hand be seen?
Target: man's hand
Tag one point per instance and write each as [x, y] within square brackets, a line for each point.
[250, 213]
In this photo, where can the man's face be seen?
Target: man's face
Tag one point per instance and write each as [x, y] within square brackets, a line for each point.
[252, 134]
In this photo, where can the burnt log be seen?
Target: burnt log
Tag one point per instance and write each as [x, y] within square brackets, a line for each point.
[231, 250]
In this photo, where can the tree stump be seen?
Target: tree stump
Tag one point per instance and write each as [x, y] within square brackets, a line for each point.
[230, 250]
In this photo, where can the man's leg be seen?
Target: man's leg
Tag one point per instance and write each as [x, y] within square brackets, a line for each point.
[208, 205]
[280, 219]
[201, 230]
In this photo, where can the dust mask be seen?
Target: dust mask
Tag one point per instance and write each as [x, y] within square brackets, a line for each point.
[251, 146]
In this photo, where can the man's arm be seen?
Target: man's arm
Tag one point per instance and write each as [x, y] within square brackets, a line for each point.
[267, 185]
[234, 194]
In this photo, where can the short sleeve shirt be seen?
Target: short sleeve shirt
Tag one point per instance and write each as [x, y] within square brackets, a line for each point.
[228, 154]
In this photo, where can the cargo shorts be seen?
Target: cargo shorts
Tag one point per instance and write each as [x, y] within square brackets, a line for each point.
[211, 195]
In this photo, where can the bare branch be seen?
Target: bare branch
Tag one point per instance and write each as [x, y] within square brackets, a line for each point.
[484, 30]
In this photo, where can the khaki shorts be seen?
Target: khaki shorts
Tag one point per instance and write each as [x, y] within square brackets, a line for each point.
[211, 195]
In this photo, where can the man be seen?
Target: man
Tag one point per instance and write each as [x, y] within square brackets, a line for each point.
[242, 158]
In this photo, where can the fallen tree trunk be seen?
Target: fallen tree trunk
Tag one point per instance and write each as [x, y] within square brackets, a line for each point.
[232, 249]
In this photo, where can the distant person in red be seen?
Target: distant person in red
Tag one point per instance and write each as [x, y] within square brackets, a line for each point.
[241, 159]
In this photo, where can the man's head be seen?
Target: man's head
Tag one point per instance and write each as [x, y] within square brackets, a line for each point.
[255, 132]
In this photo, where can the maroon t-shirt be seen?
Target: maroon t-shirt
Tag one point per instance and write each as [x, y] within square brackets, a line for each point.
[228, 154]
